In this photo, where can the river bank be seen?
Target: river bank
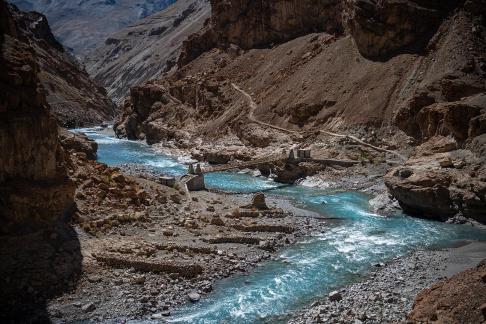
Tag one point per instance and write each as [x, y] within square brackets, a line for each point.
[227, 263]
[182, 245]
[388, 293]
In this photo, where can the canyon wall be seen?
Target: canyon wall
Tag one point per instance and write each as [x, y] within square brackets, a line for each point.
[39, 251]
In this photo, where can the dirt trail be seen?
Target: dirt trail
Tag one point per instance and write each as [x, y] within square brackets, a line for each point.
[254, 106]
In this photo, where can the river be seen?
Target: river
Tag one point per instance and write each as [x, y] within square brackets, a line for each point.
[311, 268]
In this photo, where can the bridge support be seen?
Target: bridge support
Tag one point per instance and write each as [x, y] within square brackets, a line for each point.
[196, 180]
[196, 183]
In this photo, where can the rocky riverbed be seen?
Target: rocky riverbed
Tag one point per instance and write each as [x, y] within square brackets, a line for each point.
[387, 294]
[140, 262]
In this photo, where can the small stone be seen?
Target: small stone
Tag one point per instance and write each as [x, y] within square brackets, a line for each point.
[94, 278]
[210, 209]
[139, 279]
[335, 296]
[89, 307]
[445, 162]
[194, 297]
[216, 220]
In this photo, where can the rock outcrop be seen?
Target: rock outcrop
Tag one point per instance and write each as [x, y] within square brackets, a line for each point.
[79, 143]
[35, 192]
[75, 99]
[146, 49]
[441, 185]
[459, 299]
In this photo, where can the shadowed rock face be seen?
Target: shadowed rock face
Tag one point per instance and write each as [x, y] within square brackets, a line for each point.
[39, 252]
[252, 24]
[381, 28]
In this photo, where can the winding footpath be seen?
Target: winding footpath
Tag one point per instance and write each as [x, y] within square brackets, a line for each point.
[251, 117]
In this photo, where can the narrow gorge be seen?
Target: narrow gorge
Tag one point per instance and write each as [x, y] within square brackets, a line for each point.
[208, 161]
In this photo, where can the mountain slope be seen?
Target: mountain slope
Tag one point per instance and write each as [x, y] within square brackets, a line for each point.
[74, 98]
[84, 25]
[416, 88]
[146, 49]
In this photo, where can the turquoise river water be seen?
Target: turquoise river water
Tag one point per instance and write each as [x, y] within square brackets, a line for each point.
[311, 268]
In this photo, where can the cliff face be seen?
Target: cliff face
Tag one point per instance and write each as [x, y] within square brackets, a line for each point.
[252, 24]
[83, 25]
[379, 28]
[74, 98]
[35, 191]
[146, 49]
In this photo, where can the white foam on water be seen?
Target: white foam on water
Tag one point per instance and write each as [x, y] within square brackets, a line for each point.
[316, 182]
[163, 163]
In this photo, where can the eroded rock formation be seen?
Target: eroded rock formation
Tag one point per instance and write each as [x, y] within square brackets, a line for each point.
[39, 252]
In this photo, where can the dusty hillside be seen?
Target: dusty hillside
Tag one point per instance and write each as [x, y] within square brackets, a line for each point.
[84, 25]
[146, 49]
[322, 80]
[74, 98]
[420, 80]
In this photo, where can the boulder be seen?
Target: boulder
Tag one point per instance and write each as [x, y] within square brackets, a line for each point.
[194, 297]
[441, 186]
[258, 201]
[78, 142]
[335, 296]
